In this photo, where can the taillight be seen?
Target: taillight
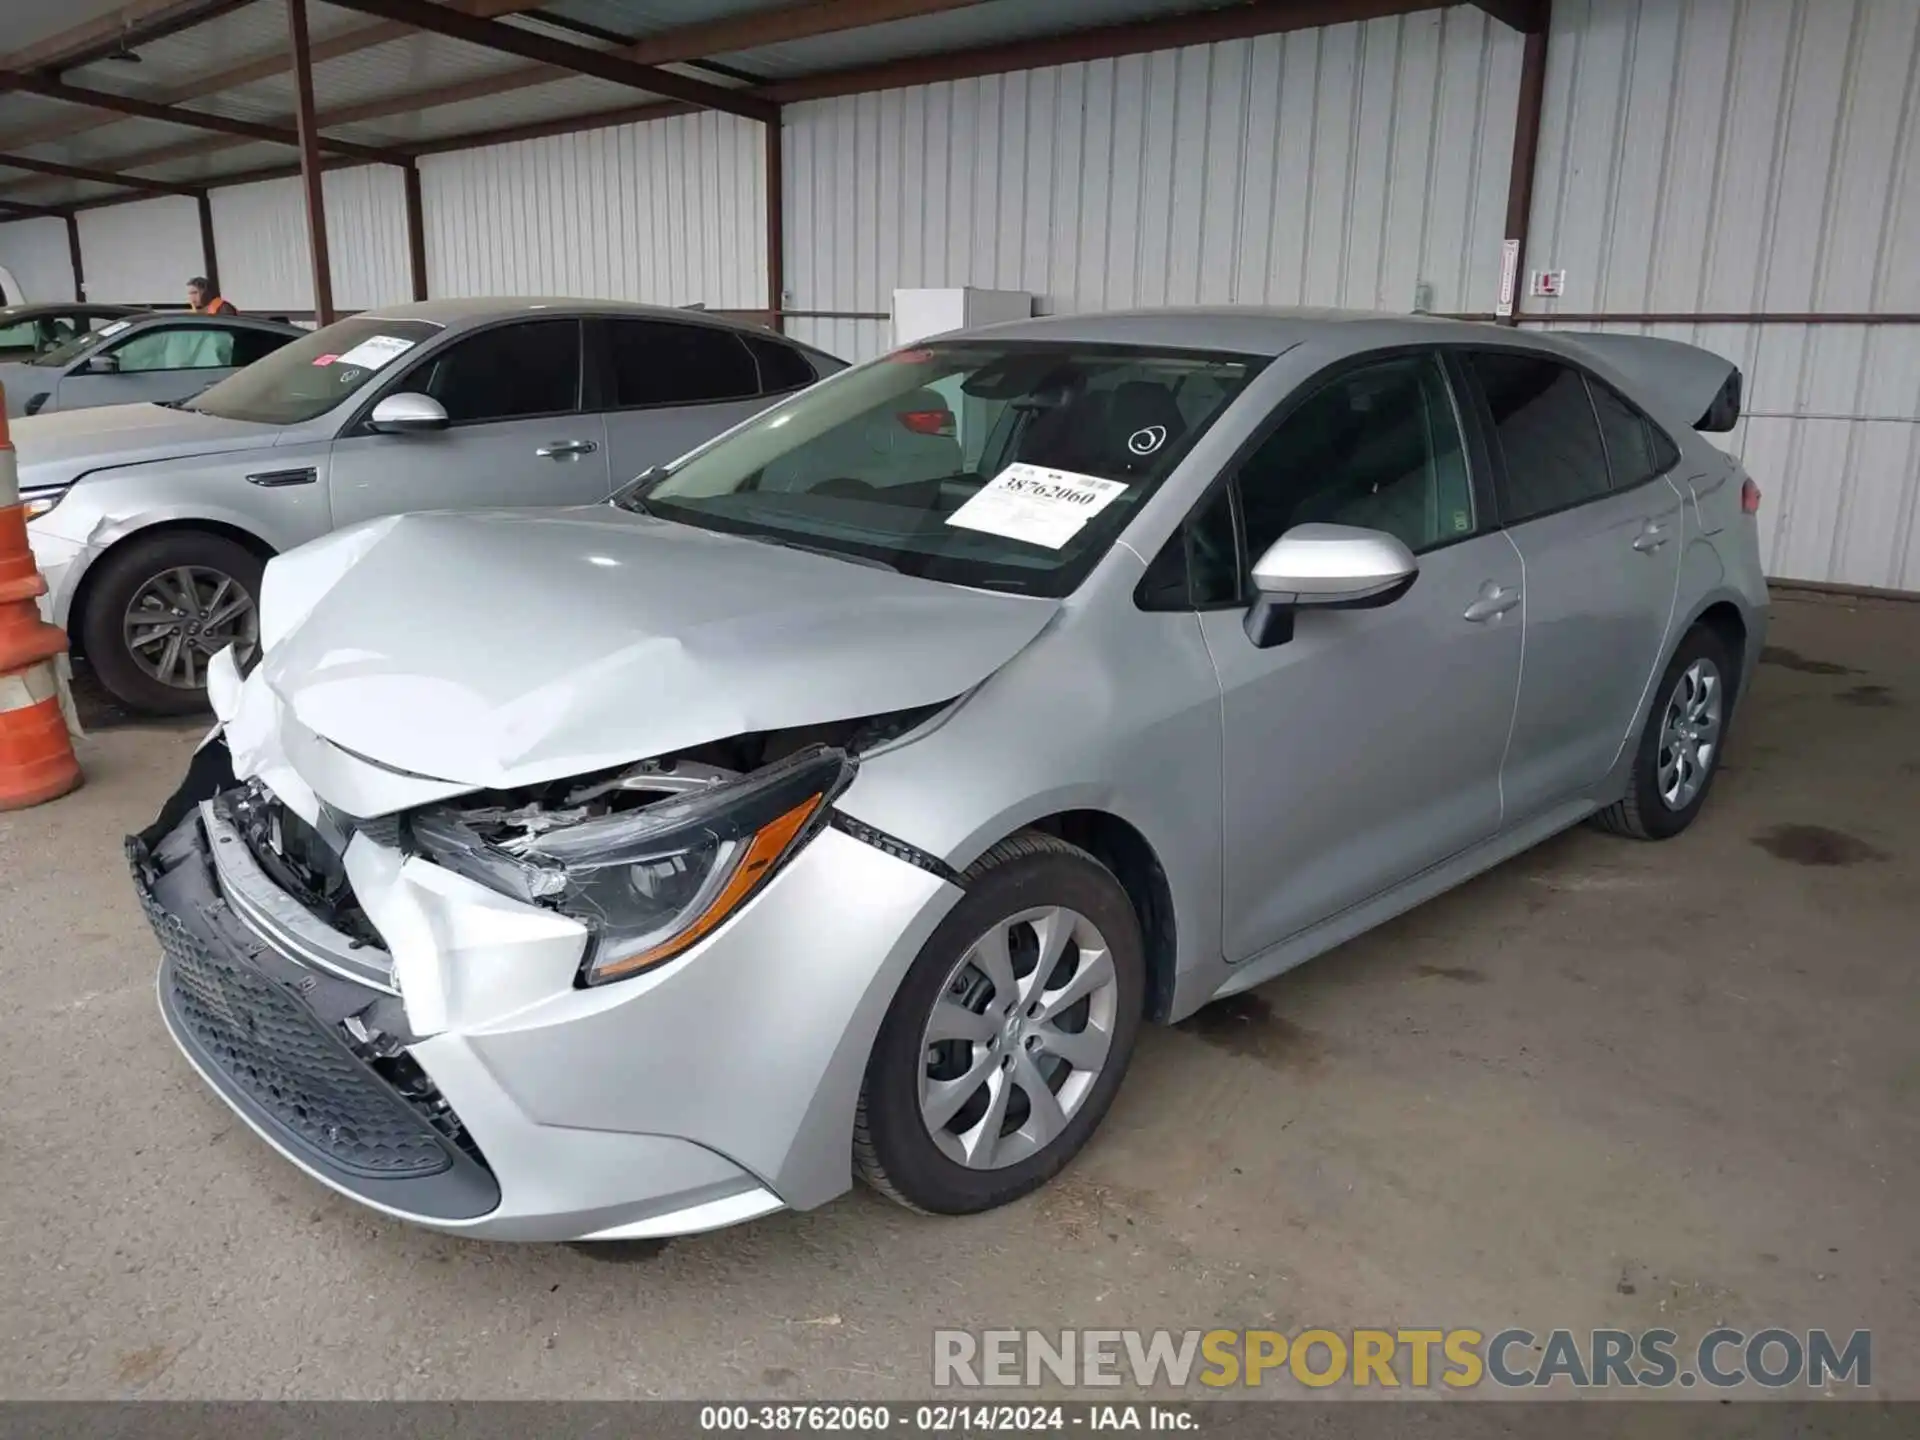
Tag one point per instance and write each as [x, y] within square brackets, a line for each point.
[1749, 497]
[928, 422]
[33, 405]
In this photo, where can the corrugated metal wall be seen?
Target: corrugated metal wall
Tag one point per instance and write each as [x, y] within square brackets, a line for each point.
[141, 253]
[1353, 165]
[35, 251]
[260, 236]
[670, 211]
[1759, 156]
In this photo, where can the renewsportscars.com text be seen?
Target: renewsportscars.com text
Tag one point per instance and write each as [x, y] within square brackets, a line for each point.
[1400, 1358]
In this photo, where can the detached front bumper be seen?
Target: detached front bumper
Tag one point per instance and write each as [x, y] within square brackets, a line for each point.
[464, 1083]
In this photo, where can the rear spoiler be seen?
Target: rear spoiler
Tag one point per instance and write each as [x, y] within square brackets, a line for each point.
[1691, 380]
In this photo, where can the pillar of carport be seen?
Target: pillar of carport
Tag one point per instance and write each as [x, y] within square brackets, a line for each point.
[310, 161]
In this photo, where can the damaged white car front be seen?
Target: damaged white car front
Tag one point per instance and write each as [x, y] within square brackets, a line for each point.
[467, 1014]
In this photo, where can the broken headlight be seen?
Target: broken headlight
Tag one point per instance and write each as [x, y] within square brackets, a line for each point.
[650, 882]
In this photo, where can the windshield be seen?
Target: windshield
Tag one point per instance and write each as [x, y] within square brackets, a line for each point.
[83, 343]
[309, 376]
[1008, 466]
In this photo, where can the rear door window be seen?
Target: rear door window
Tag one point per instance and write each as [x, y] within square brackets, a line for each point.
[1547, 433]
[782, 368]
[656, 362]
[1636, 449]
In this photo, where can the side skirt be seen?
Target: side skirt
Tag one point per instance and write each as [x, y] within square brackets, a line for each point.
[1360, 918]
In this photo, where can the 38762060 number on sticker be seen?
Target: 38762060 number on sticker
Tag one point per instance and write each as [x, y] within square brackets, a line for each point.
[1037, 505]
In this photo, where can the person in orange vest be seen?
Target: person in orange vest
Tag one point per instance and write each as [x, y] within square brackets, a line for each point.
[202, 301]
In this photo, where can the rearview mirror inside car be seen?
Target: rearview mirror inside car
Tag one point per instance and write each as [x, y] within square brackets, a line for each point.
[408, 413]
[1330, 567]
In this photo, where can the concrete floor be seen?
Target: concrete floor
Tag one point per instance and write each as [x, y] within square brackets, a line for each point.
[1609, 1084]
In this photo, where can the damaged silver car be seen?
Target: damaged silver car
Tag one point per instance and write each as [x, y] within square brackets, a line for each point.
[840, 799]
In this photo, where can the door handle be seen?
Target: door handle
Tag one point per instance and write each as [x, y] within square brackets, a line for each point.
[561, 449]
[1650, 539]
[1493, 603]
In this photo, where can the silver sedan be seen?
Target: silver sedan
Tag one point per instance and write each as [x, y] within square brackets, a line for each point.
[152, 522]
[140, 357]
[637, 869]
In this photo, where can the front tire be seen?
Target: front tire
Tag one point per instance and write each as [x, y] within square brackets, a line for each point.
[1009, 1036]
[163, 605]
[1681, 744]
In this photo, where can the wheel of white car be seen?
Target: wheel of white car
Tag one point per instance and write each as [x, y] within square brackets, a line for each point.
[160, 607]
[1009, 1036]
[1680, 747]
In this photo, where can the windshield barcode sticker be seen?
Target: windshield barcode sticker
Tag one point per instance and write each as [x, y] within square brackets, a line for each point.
[1037, 505]
[374, 351]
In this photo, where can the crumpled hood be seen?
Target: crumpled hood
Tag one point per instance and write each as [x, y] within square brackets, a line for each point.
[58, 447]
[504, 648]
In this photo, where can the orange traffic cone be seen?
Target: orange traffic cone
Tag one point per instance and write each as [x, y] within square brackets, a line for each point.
[36, 754]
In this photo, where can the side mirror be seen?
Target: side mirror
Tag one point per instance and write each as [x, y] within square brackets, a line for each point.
[407, 414]
[1332, 567]
[103, 365]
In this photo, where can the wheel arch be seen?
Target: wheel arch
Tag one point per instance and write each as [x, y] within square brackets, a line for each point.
[1726, 621]
[1123, 849]
[83, 592]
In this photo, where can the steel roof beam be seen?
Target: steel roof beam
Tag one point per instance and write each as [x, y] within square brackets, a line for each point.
[169, 22]
[528, 45]
[1529, 17]
[246, 72]
[136, 18]
[192, 119]
[96, 177]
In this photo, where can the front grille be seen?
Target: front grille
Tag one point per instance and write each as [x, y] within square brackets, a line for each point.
[269, 1046]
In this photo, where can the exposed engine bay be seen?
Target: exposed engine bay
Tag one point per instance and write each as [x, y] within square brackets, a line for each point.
[515, 820]
[647, 857]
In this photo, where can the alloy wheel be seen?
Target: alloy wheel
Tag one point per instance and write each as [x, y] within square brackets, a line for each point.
[1690, 734]
[1019, 1035]
[182, 617]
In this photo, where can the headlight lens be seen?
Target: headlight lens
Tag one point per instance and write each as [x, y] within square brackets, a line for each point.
[650, 883]
[38, 502]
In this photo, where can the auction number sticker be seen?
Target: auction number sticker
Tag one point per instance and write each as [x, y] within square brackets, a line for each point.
[1036, 505]
[374, 351]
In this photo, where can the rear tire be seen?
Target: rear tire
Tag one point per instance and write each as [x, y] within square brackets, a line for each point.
[148, 575]
[1020, 1034]
[1680, 745]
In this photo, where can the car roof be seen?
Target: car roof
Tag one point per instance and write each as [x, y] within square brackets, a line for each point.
[1257, 330]
[143, 319]
[32, 309]
[460, 314]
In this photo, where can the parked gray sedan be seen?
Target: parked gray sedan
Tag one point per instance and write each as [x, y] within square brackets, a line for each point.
[30, 330]
[641, 868]
[140, 357]
[152, 522]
